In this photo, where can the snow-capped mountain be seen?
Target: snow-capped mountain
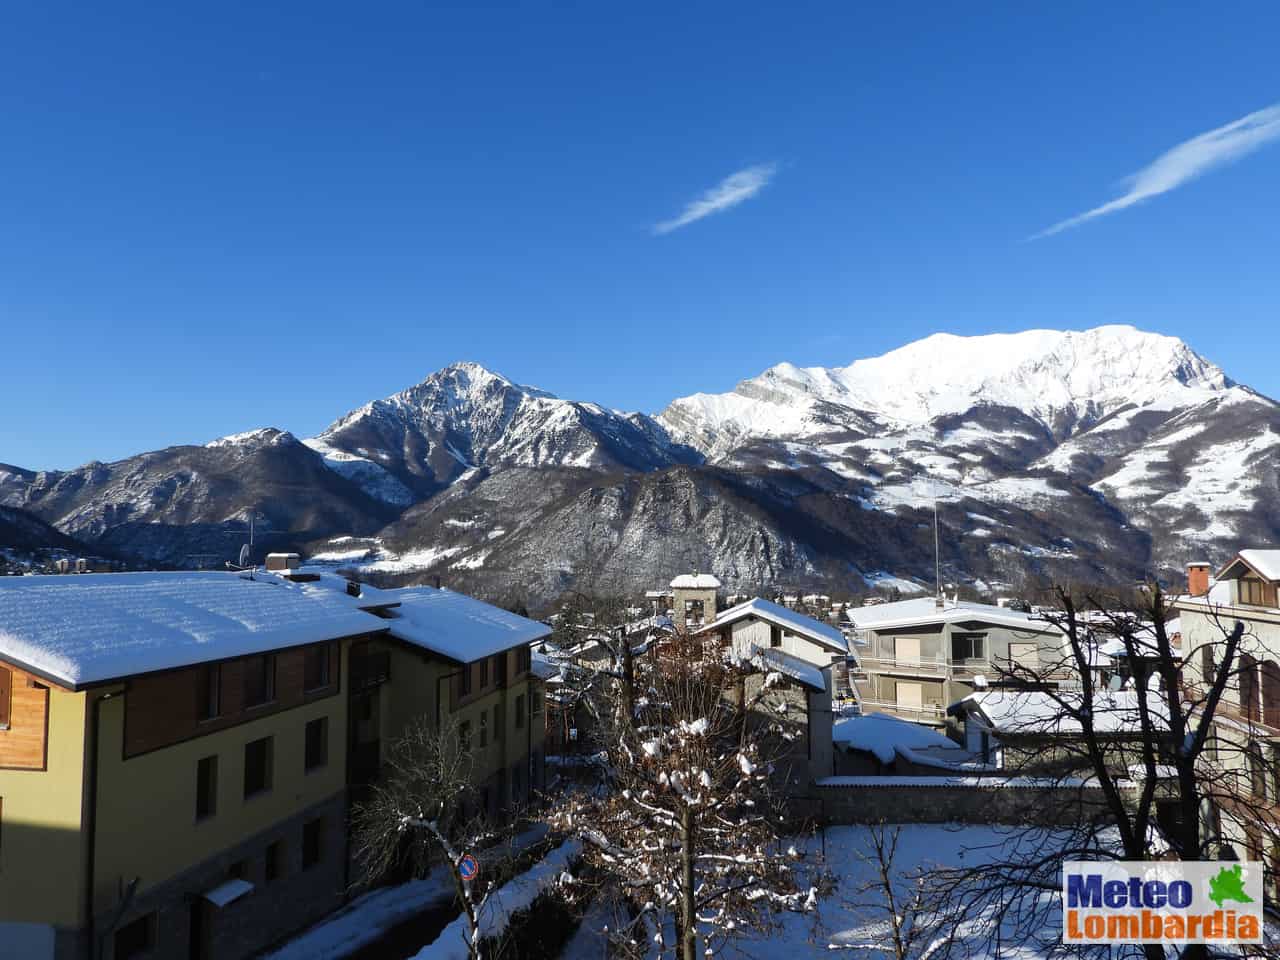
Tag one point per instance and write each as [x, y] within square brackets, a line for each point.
[1102, 454]
[464, 417]
[186, 502]
[1065, 381]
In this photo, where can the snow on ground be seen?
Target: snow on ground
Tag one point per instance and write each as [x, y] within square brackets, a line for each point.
[410, 561]
[882, 578]
[368, 917]
[373, 478]
[843, 921]
[502, 904]
[473, 562]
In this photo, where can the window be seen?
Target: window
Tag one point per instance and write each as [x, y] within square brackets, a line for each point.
[1254, 592]
[968, 646]
[209, 693]
[775, 636]
[465, 681]
[259, 680]
[1025, 655]
[484, 672]
[1206, 664]
[316, 753]
[464, 735]
[500, 668]
[520, 712]
[535, 699]
[271, 863]
[6, 696]
[315, 667]
[135, 939]
[206, 787]
[484, 728]
[312, 842]
[257, 766]
[523, 659]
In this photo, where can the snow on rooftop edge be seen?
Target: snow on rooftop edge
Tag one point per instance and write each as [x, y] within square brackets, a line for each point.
[805, 626]
[105, 626]
[457, 626]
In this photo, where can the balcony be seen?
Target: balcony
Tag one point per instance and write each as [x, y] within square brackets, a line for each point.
[370, 670]
[931, 713]
[916, 666]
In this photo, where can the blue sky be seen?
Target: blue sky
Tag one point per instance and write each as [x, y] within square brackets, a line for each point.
[219, 217]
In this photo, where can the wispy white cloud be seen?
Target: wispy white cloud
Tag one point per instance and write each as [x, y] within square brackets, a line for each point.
[725, 195]
[1185, 162]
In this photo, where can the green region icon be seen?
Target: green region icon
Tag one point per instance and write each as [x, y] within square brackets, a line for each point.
[1228, 885]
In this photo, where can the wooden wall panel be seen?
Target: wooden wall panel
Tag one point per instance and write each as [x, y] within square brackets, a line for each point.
[24, 745]
[161, 709]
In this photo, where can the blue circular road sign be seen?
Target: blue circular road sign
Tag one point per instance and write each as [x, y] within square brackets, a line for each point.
[468, 867]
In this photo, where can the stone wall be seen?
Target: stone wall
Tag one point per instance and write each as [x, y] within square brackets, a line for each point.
[935, 800]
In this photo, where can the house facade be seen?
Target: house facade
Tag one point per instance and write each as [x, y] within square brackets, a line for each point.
[810, 658]
[178, 751]
[919, 656]
[1245, 746]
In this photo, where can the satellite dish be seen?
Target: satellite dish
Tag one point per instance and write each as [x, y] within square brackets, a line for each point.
[244, 555]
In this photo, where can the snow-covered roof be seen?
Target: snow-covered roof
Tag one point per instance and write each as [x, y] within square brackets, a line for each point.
[820, 633]
[792, 667]
[888, 736]
[695, 581]
[1035, 712]
[925, 610]
[366, 597]
[456, 626]
[228, 892]
[105, 626]
[1266, 563]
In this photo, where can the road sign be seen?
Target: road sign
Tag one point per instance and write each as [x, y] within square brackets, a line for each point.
[468, 868]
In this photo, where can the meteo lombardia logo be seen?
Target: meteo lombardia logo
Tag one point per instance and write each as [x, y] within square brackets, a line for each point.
[1127, 901]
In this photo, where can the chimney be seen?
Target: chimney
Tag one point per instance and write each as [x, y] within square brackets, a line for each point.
[1197, 579]
[283, 561]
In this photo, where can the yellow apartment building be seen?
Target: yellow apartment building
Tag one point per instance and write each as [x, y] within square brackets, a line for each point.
[177, 750]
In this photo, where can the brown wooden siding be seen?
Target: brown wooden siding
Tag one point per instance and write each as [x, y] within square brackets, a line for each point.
[24, 745]
[162, 708]
[497, 677]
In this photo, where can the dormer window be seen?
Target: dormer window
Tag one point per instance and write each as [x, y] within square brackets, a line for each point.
[1256, 592]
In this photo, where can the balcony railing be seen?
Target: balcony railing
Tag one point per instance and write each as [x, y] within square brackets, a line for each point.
[924, 713]
[934, 666]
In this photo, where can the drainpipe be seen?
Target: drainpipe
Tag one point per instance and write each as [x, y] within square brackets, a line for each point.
[91, 821]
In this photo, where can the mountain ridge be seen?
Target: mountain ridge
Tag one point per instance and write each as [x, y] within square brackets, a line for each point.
[1052, 453]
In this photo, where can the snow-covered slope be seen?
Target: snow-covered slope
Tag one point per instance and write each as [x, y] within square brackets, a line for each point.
[466, 417]
[1064, 380]
[1100, 454]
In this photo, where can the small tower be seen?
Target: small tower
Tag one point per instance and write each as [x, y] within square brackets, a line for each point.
[694, 599]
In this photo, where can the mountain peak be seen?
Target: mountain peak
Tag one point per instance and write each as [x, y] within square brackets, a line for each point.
[1062, 378]
[1042, 372]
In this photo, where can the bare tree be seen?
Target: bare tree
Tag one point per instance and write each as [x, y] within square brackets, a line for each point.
[1127, 752]
[424, 811]
[906, 915]
[687, 822]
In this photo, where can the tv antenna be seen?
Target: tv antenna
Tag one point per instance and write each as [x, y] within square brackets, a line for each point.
[245, 560]
[937, 555]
